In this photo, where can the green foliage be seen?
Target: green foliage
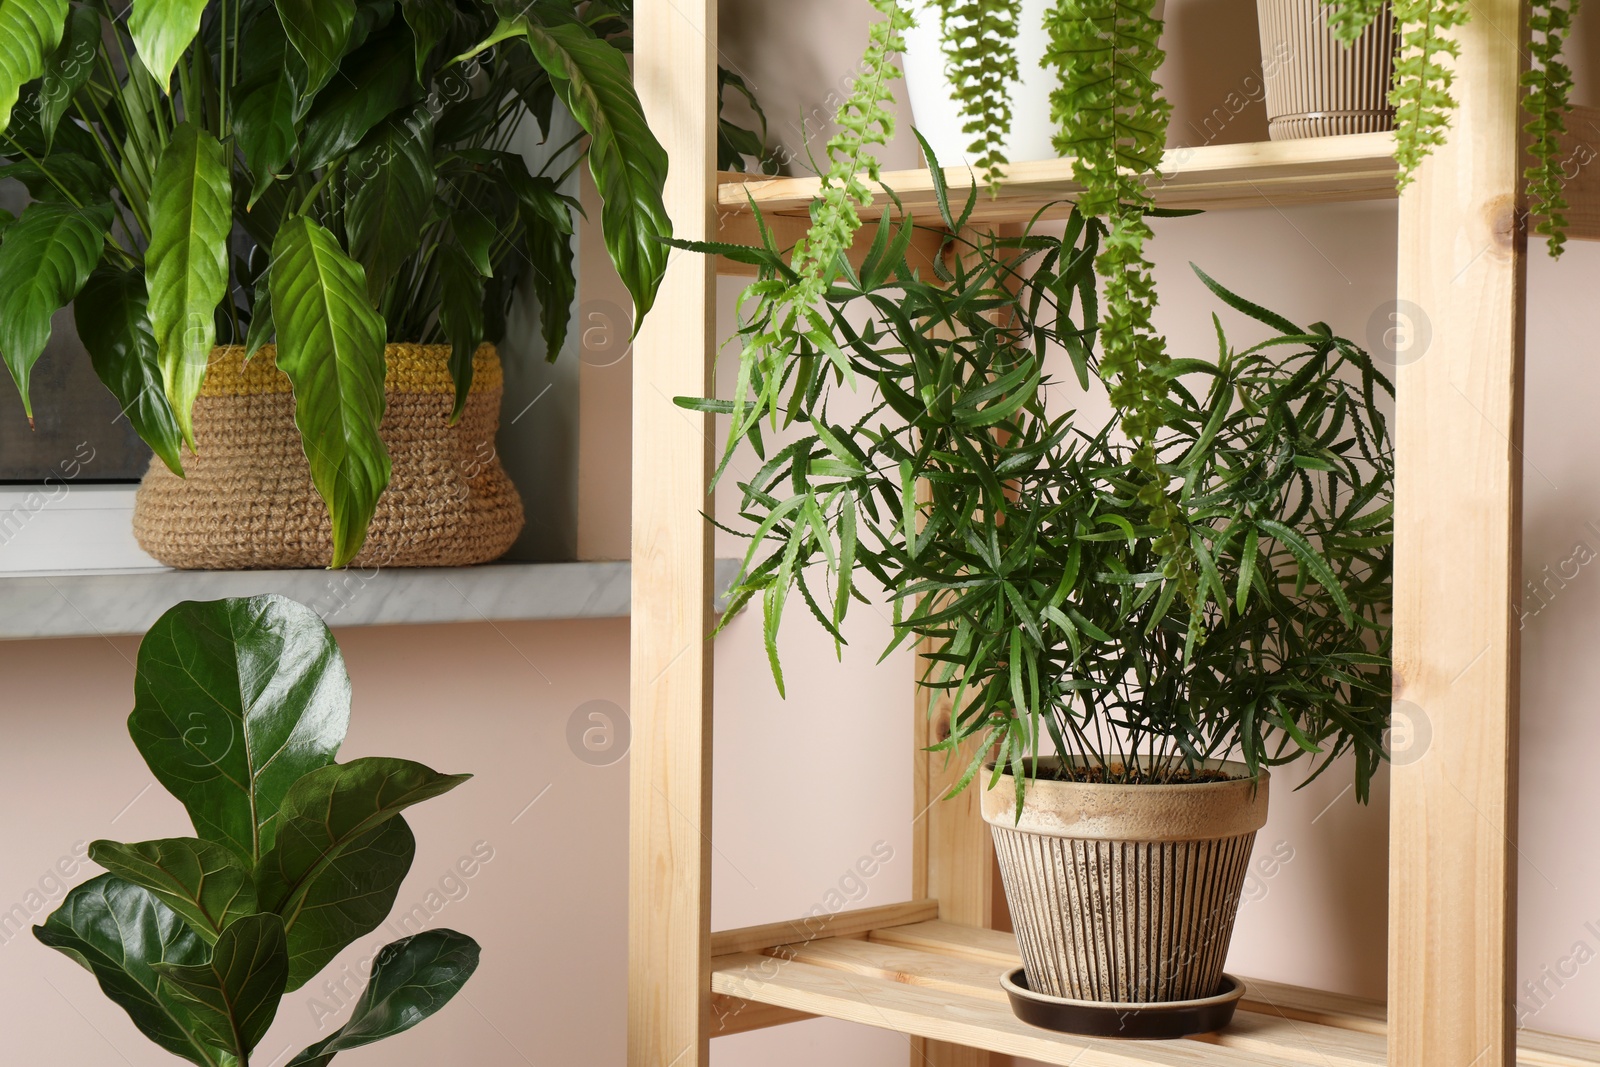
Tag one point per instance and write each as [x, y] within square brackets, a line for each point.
[1031, 558]
[184, 143]
[1112, 120]
[1549, 98]
[240, 708]
[1423, 75]
[738, 146]
[980, 51]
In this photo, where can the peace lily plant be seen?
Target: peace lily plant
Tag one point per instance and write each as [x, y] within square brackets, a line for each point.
[240, 707]
[328, 174]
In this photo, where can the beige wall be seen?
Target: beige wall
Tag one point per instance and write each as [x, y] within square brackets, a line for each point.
[806, 787]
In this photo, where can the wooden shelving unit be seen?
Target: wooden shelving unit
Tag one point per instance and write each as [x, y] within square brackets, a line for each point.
[928, 968]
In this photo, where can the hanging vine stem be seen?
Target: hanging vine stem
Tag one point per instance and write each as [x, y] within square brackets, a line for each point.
[1549, 85]
[980, 51]
[1112, 120]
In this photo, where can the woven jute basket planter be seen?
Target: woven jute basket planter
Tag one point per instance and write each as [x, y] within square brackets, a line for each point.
[1316, 86]
[1125, 893]
[247, 501]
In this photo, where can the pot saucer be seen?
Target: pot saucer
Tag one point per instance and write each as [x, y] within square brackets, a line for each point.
[1091, 1018]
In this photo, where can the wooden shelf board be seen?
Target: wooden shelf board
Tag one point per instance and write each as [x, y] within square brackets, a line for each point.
[1264, 174]
[940, 981]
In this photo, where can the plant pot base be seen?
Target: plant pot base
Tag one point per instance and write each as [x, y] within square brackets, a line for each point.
[1178, 1018]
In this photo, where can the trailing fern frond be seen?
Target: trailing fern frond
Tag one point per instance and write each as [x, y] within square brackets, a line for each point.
[1349, 19]
[1549, 85]
[1423, 78]
[980, 51]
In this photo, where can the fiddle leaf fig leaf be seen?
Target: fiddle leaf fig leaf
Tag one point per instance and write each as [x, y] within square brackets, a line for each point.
[330, 344]
[351, 898]
[234, 996]
[120, 933]
[30, 30]
[162, 30]
[234, 701]
[191, 215]
[206, 883]
[319, 31]
[411, 979]
[113, 323]
[628, 163]
[46, 257]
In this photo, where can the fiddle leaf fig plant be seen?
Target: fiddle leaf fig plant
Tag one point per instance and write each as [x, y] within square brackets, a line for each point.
[240, 707]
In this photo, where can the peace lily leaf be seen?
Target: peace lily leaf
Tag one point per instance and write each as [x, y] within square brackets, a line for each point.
[628, 163]
[330, 344]
[375, 80]
[319, 31]
[429, 21]
[234, 701]
[113, 325]
[233, 997]
[260, 331]
[68, 68]
[461, 315]
[30, 30]
[65, 178]
[187, 261]
[547, 227]
[206, 883]
[352, 897]
[162, 30]
[46, 257]
[264, 126]
[411, 979]
[392, 181]
[120, 932]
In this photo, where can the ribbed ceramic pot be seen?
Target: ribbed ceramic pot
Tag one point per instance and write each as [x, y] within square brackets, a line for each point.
[1316, 86]
[1126, 893]
[247, 501]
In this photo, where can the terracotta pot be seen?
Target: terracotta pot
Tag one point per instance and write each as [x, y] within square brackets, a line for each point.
[1126, 893]
[1316, 86]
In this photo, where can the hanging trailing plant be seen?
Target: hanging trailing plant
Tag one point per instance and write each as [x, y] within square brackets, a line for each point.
[1112, 120]
[980, 51]
[1549, 85]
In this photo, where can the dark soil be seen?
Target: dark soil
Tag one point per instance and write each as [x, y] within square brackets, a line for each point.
[1119, 775]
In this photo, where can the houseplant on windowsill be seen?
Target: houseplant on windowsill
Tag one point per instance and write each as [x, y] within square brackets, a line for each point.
[240, 707]
[1122, 726]
[331, 176]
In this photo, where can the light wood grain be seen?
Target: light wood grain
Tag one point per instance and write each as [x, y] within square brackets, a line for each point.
[1315, 170]
[669, 864]
[739, 227]
[1453, 814]
[733, 1015]
[812, 927]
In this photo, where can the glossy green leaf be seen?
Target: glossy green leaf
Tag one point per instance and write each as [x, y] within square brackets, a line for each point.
[234, 701]
[264, 126]
[63, 178]
[46, 257]
[113, 323]
[330, 344]
[68, 68]
[30, 31]
[391, 180]
[429, 21]
[375, 81]
[234, 995]
[191, 215]
[208, 884]
[411, 979]
[628, 163]
[261, 328]
[461, 315]
[548, 243]
[352, 898]
[319, 30]
[162, 30]
[120, 933]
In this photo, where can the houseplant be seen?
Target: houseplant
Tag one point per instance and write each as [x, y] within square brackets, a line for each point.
[332, 175]
[1073, 661]
[240, 707]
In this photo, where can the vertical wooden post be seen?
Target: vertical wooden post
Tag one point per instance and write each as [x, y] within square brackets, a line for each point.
[669, 865]
[1452, 890]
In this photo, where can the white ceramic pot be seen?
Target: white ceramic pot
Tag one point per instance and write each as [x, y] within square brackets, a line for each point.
[935, 111]
[1126, 893]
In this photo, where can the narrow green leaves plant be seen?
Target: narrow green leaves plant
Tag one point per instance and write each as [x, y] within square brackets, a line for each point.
[240, 708]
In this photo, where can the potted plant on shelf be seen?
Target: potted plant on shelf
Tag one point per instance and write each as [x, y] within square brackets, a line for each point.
[330, 177]
[1122, 720]
[240, 707]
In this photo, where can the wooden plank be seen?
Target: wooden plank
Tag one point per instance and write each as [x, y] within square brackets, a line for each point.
[1314, 170]
[812, 927]
[739, 227]
[1453, 814]
[669, 863]
[1309, 1005]
[733, 1015]
[954, 939]
[955, 1020]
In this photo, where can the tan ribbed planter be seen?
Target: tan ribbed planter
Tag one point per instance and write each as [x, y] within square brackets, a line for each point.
[1315, 86]
[1125, 893]
[247, 501]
